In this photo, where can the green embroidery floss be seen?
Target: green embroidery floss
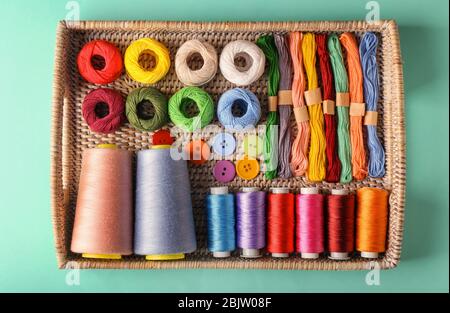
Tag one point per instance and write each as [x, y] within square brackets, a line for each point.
[146, 109]
[267, 45]
[341, 86]
[182, 99]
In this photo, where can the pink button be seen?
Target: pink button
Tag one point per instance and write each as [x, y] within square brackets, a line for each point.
[224, 171]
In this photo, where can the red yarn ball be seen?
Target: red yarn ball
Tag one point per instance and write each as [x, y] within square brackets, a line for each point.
[99, 100]
[100, 62]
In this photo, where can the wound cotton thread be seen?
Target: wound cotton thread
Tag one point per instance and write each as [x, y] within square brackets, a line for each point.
[310, 223]
[342, 107]
[221, 222]
[267, 44]
[248, 104]
[333, 170]
[357, 106]
[103, 110]
[253, 56]
[284, 106]
[317, 159]
[300, 145]
[100, 62]
[199, 76]
[280, 222]
[340, 210]
[164, 221]
[103, 225]
[179, 102]
[153, 48]
[371, 221]
[138, 109]
[251, 221]
[368, 53]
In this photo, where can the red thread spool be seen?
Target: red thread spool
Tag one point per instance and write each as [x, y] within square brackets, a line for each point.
[103, 110]
[280, 222]
[341, 224]
[310, 223]
[100, 62]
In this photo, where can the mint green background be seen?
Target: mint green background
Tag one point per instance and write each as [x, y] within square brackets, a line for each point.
[27, 256]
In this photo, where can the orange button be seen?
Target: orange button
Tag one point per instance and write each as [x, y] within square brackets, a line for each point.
[247, 168]
[198, 152]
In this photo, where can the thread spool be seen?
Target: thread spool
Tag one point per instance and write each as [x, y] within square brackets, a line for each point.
[254, 62]
[100, 62]
[103, 227]
[139, 106]
[310, 223]
[371, 221]
[221, 222]
[164, 222]
[186, 53]
[248, 105]
[280, 222]
[182, 99]
[103, 110]
[147, 60]
[250, 221]
[341, 221]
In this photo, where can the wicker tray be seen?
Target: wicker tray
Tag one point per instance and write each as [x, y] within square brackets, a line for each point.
[70, 134]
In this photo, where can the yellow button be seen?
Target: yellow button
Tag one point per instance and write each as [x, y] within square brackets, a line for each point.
[247, 168]
[253, 146]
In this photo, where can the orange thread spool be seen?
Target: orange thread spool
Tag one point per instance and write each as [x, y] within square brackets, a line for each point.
[371, 221]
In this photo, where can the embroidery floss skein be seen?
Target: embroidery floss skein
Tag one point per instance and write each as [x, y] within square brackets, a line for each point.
[280, 222]
[199, 76]
[316, 169]
[342, 107]
[267, 44]
[371, 221]
[181, 99]
[100, 62]
[341, 224]
[284, 106]
[153, 48]
[253, 69]
[248, 104]
[103, 110]
[251, 221]
[357, 106]
[221, 221]
[164, 221]
[368, 53]
[310, 223]
[138, 112]
[333, 170]
[103, 225]
[300, 146]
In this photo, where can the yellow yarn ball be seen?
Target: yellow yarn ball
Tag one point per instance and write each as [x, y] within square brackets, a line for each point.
[154, 48]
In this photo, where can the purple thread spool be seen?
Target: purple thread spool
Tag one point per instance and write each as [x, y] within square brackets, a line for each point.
[251, 221]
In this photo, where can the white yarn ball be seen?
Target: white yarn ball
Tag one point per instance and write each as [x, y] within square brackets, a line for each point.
[203, 75]
[254, 58]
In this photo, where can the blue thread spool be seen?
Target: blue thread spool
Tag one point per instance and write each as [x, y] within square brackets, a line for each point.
[246, 101]
[221, 222]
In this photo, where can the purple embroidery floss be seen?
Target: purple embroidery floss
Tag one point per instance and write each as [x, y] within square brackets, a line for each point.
[251, 221]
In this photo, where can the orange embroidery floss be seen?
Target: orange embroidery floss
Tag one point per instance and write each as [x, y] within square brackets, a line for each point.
[371, 221]
[357, 107]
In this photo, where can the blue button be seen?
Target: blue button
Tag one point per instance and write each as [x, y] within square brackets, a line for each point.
[224, 144]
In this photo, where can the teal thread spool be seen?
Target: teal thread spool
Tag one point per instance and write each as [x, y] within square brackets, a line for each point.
[179, 103]
[146, 109]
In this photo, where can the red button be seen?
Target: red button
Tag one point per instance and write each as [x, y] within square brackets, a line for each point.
[162, 137]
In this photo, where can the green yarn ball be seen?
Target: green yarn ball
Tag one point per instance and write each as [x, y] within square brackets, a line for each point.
[135, 101]
[177, 108]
